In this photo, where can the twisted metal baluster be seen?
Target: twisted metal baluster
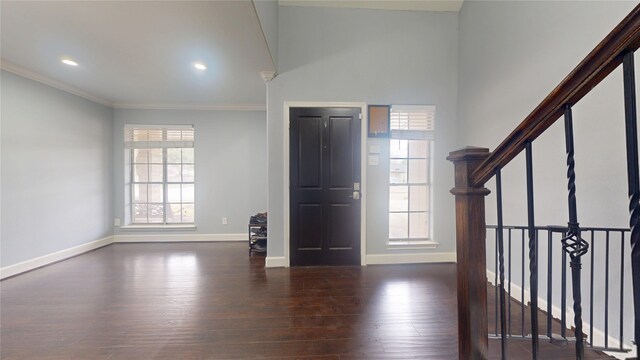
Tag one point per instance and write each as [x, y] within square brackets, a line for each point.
[533, 253]
[500, 230]
[633, 172]
[573, 243]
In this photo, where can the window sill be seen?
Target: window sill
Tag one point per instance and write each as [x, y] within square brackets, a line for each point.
[412, 245]
[159, 227]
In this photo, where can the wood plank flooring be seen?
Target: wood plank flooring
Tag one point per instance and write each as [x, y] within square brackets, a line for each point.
[211, 301]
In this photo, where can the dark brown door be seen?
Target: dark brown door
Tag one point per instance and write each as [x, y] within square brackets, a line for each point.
[325, 186]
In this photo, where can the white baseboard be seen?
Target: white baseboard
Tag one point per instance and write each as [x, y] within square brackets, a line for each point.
[31, 264]
[124, 238]
[382, 259]
[619, 355]
[556, 312]
[275, 261]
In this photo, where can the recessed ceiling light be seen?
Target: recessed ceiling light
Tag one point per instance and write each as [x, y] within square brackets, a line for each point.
[200, 66]
[69, 62]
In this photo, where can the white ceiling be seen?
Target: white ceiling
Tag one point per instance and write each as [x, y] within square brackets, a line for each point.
[412, 5]
[140, 54]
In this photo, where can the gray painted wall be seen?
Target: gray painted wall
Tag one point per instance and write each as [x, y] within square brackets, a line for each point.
[56, 170]
[512, 54]
[267, 11]
[378, 57]
[231, 164]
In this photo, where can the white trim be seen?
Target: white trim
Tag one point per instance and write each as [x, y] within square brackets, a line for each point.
[44, 260]
[410, 108]
[153, 227]
[267, 75]
[363, 171]
[619, 355]
[556, 312]
[264, 37]
[363, 181]
[217, 107]
[19, 70]
[155, 238]
[438, 5]
[275, 261]
[411, 258]
[159, 227]
[412, 245]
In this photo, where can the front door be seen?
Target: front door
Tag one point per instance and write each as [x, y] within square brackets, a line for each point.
[324, 186]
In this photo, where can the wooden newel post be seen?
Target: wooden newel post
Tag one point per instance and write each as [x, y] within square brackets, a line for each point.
[471, 254]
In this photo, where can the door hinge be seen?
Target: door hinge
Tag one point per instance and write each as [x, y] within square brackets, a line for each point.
[360, 116]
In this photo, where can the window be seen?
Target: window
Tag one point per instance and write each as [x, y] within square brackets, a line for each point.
[160, 174]
[410, 173]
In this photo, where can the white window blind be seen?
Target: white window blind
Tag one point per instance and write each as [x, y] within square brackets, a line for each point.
[413, 117]
[152, 137]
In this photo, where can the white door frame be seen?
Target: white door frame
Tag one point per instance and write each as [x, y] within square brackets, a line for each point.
[363, 171]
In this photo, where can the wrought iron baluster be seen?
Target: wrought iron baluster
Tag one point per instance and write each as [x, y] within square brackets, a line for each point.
[509, 291]
[633, 174]
[563, 300]
[522, 311]
[591, 291]
[573, 244]
[606, 291]
[495, 282]
[549, 282]
[500, 246]
[533, 253]
[621, 290]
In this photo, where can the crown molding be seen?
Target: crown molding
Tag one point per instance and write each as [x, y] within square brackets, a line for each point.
[19, 70]
[400, 5]
[267, 75]
[217, 107]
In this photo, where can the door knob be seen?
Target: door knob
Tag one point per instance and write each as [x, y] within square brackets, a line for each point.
[356, 195]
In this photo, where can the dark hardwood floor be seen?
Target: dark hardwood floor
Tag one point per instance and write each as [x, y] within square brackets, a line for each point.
[211, 301]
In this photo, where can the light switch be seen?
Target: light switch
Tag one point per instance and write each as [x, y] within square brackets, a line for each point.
[374, 160]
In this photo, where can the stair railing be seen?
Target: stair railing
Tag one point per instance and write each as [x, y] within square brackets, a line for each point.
[607, 266]
[475, 166]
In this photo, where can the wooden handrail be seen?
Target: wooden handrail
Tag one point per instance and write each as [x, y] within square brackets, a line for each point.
[590, 72]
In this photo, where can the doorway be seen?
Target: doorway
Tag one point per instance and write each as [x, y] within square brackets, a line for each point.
[325, 186]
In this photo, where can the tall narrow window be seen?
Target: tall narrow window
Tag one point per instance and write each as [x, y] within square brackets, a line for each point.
[410, 174]
[161, 174]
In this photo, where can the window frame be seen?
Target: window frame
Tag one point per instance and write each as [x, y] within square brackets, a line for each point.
[165, 179]
[409, 135]
[408, 184]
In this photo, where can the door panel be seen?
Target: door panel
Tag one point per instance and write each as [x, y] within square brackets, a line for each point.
[340, 230]
[325, 165]
[341, 165]
[309, 219]
[309, 142]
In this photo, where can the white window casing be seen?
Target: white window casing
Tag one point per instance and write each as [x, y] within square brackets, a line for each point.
[161, 174]
[410, 175]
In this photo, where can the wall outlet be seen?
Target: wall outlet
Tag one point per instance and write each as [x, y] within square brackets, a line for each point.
[224, 221]
[116, 222]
